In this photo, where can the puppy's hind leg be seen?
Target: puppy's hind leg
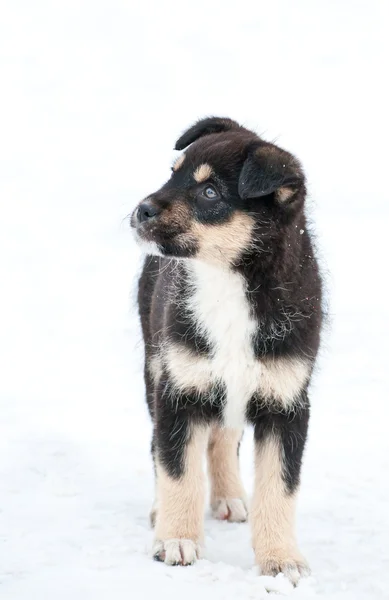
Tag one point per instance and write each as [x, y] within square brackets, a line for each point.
[228, 498]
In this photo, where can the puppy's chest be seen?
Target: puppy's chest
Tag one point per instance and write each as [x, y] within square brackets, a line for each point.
[221, 314]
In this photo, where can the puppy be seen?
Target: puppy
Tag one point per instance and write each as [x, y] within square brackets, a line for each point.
[230, 307]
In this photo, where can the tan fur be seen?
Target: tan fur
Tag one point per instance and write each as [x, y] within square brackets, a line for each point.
[179, 162]
[181, 501]
[284, 193]
[272, 513]
[223, 464]
[202, 173]
[178, 214]
[155, 368]
[224, 243]
[189, 371]
[279, 380]
[282, 379]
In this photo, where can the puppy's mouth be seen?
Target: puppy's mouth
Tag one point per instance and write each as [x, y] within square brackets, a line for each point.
[143, 235]
[160, 239]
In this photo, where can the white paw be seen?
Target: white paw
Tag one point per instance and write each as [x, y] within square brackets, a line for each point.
[292, 568]
[176, 551]
[230, 509]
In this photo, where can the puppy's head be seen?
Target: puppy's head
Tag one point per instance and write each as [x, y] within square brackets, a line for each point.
[229, 193]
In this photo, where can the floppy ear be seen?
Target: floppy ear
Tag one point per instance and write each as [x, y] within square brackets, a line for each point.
[269, 169]
[205, 127]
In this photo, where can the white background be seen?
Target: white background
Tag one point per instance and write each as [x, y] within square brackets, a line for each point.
[92, 98]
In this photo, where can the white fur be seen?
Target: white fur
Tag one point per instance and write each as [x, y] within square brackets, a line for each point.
[220, 308]
[222, 313]
[147, 247]
[177, 551]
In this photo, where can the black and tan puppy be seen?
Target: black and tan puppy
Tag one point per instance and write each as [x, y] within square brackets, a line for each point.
[230, 304]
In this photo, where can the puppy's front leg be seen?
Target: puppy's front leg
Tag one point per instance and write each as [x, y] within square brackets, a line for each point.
[279, 444]
[180, 489]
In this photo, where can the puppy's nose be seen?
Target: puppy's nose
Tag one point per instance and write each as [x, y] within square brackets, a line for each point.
[147, 210]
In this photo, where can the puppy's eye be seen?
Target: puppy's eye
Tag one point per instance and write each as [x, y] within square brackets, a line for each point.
[210, 192]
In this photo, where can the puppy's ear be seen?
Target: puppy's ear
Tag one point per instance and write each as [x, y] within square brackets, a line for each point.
[205, 127]
[269, 169]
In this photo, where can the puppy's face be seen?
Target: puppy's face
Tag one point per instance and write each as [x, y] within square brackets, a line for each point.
[228, 193]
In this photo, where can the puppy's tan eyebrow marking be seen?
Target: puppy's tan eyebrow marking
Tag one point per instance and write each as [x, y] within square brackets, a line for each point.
[178, 162]
[202, 173]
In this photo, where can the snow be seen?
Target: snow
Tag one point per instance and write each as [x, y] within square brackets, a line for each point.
[94, 95]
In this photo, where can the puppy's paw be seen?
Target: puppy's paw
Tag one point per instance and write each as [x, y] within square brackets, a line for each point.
[176, 551]
[230, 509]
[293, 567]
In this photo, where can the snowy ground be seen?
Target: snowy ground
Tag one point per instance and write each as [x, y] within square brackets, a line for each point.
[93, 95]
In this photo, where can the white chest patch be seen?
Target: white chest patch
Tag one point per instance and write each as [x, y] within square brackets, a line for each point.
[222, 313]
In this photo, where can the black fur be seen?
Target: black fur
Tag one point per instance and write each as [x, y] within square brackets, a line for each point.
[265, 171]
[291, 430]
[205, 127]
